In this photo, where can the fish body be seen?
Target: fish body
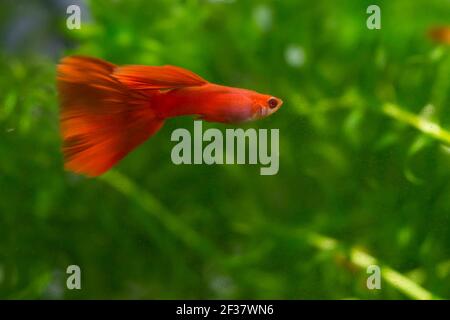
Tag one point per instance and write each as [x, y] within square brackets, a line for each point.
[107, 110]
[215, 103]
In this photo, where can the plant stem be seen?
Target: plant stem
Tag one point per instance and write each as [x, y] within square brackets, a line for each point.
[202, 246]
[429, 128]
[153, 206]
[363, 260]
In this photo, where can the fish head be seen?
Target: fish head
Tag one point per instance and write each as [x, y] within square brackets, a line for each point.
[235, 105]
[265, 105]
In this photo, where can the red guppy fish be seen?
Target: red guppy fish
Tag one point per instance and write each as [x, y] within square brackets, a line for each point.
[108, 110]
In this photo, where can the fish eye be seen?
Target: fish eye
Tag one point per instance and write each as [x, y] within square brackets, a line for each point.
[273, 103]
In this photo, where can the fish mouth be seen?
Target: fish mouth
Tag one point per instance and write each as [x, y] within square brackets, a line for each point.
[280, 103]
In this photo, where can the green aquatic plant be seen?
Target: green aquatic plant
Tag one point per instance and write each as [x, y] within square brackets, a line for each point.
[364, 157]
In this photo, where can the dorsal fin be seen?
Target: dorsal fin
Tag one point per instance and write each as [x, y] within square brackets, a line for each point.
[157, 78]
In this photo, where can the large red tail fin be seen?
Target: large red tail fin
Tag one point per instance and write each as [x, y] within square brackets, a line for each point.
[102, 120]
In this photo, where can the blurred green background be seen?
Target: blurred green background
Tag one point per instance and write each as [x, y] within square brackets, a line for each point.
[364, 175]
